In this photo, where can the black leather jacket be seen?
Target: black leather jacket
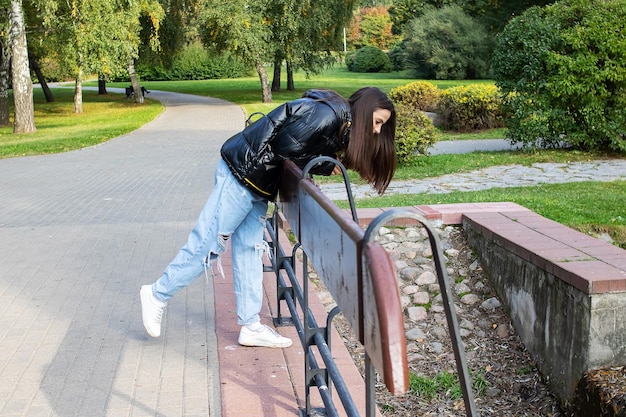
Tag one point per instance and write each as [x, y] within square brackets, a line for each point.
[299, 131]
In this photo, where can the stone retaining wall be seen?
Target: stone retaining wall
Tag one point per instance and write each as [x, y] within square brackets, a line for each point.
[565, 292]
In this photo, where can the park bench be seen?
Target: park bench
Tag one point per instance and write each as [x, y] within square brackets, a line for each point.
[130, 93]
[360, 276]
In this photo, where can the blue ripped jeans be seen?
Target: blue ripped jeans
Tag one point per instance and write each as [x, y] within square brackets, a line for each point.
[233, 213]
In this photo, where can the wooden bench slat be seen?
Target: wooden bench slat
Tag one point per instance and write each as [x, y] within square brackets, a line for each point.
[385, 339]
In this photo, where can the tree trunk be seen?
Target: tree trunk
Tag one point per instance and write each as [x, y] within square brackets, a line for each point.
[5, 77]
[276, 78]
[34, 64]
[22, 84]
[102, 85]
[134, 81]
[265, 86]
[78, 92]
[290, 84]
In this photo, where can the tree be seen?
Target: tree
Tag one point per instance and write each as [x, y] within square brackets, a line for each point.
[446, 43]
[22, 85]
[5, 68]
[562, 72]
[305, 35]
[495, 14]
[95, 36]
[240, 27]
[372, 26]
[320, 32]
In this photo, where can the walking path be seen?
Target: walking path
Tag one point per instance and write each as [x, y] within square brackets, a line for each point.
[494, 177]
[80, 232]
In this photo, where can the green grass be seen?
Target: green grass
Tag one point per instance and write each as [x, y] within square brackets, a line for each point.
[246, 91]
[482, 134]
[589, 207]
[443, 384]
[59, 129]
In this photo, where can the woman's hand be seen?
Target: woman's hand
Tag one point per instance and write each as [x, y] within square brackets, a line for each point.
[337, 170]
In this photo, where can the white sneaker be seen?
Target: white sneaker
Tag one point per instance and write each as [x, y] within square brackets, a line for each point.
[151, 311]
[263, 337]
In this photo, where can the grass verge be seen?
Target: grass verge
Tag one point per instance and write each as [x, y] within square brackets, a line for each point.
[59, 129]
[590, 207]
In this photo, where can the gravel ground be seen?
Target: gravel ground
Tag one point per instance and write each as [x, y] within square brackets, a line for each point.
[506, 380]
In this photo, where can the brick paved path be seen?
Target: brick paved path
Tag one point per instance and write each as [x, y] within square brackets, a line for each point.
[79, 233]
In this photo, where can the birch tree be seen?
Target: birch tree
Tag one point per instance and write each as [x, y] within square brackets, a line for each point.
[240, 26]
[97, 36]
[22, 85]
[5, 68]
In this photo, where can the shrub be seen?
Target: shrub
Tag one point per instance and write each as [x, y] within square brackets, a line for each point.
[368, 59]
[194, 62]
[562, 70]
[415, 133]
[420, 95]
[397, 56]
[471, 107]
[447, 43]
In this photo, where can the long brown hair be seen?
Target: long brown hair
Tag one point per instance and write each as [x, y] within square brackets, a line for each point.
[372, 156]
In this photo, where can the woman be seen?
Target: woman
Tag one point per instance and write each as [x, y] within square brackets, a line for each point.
[360, 132]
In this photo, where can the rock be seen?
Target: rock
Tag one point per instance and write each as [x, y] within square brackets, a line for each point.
[502, 331]
[417, 313]
[400, 264]
[415, 334]
[470, 299]
[436, 347]
[490, 304]
[466, 324]
[409, 274]
[421, 297]
[440, 333]
[474, 266]
[410, 289]
[462, 288]
[426, 278]
[405, 301]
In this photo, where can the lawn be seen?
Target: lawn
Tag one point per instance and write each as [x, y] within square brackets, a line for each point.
[590, 207]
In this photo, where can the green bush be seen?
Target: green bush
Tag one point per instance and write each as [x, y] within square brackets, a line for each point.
[415, 133]
[562, 71]
[195, 62]
[446, 44]
[471, 107]
[397, 56]
[420, 95]
[368, 59]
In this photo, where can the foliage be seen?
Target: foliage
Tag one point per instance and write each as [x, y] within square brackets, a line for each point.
[194, 62]
[402, 12]
[447, 43]
[421, 95]
[496, 13]
[415, 133]
[96, 36]
[371, 26]
[318, 32]
[471, 107]
[368, 59]
[562, 72]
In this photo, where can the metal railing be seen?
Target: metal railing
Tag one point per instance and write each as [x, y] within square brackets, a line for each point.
[360, 276]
